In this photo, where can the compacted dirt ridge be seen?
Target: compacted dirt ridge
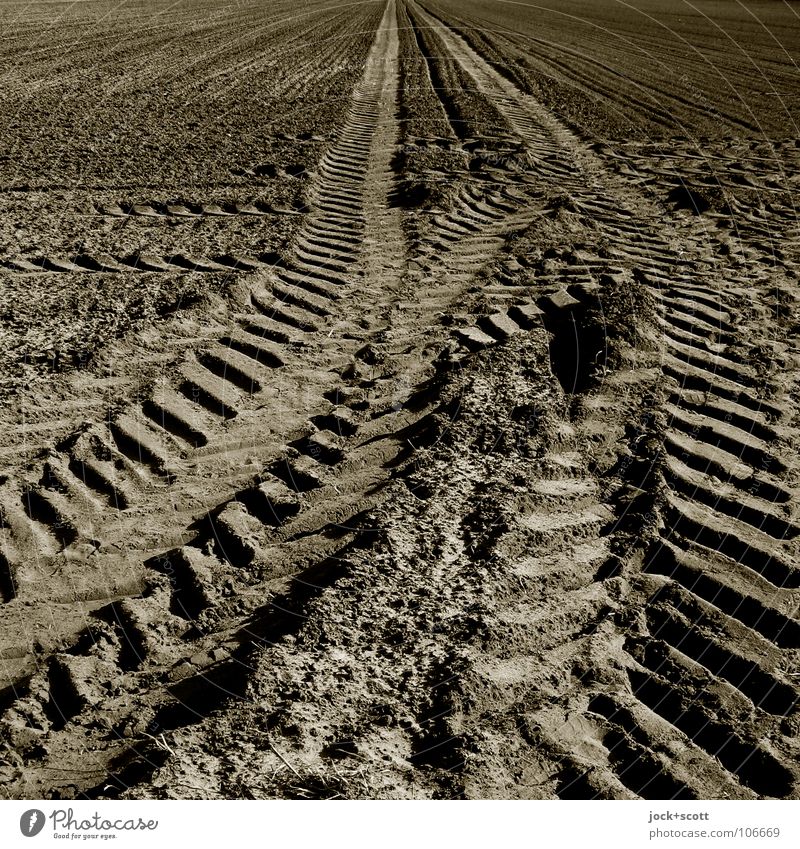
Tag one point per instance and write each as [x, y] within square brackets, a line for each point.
[440, 444]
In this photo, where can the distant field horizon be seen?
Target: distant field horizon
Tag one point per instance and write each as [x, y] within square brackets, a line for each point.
[400, 400]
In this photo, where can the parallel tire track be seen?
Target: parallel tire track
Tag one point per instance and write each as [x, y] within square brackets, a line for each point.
[68, 526]
[105, 264]
[722, 580]
[285, 530]
[706, 665]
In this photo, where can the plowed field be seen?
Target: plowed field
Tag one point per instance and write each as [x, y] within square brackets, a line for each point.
[401, 400]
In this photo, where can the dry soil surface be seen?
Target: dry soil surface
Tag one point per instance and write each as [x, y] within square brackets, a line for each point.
[401, 401]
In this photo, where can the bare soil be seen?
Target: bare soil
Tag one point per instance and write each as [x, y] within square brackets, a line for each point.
[401, 401]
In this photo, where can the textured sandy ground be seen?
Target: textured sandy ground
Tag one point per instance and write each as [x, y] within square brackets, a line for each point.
[399, 406]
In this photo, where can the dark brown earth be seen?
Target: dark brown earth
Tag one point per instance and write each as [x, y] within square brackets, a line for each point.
[401, 405]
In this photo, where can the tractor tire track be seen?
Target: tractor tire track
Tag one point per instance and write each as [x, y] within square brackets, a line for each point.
[719, 580]
[92, 507]
[240, 572]
[271, 529]
[247, 484]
